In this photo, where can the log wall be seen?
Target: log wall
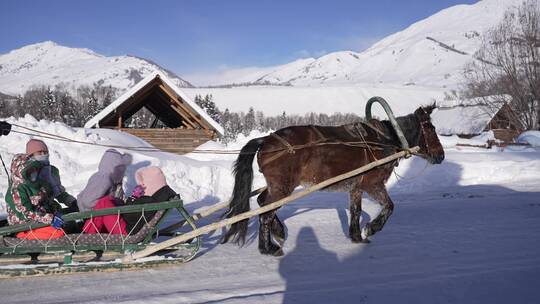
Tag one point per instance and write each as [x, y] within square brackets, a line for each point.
[179, 141]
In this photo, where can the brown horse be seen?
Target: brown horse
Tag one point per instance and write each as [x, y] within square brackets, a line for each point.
[306, 155]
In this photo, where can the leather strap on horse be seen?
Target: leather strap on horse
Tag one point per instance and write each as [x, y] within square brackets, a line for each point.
[357, 127]
[322, 141]
[289, 149]
[319, 134]
[376, 130]
[287, 145]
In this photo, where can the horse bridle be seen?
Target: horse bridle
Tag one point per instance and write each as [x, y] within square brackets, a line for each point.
[422, 123]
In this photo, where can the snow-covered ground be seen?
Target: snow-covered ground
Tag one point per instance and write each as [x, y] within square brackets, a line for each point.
[465, 231]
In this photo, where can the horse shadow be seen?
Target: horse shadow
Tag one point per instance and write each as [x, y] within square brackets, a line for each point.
[307, 284]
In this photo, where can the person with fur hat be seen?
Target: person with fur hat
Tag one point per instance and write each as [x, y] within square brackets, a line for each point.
[151, 188]
[37, 150]
[104, 190]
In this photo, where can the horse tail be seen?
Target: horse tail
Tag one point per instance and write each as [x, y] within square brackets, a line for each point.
[243, 179]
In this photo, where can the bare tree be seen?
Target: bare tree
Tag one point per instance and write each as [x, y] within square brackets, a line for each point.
[507, 65]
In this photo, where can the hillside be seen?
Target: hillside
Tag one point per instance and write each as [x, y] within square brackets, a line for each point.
[431, 52]
[48, 63]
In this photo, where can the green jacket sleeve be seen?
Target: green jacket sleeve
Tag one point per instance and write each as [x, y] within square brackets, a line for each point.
[30, 205]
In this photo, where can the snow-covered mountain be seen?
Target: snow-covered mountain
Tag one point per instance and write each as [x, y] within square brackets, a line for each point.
[49, 63]
[431, 52]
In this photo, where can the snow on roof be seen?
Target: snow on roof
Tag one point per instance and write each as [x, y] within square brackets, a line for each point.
[94, 121]
[461, 119]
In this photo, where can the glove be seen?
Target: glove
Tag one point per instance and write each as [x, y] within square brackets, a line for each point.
[137, 192]
[5, 128]
[66, 199]
[57, 222]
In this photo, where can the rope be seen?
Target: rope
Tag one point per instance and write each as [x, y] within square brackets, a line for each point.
[140, 149]
[399, 177]
[289, 148]
[4, 164]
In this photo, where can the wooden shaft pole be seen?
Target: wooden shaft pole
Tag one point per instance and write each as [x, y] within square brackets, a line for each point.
[206, 212]
[214, 226]
[220, 206]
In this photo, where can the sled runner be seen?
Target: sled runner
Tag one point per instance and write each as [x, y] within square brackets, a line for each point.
[99, 248]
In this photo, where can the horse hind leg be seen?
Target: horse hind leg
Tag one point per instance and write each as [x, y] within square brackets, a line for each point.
[270, 225]
[376, 225]
[277, 229]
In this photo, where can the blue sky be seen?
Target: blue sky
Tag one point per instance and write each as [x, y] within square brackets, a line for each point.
[199, 36]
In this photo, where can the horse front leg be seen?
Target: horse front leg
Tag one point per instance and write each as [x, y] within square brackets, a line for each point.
[380, 195]
[355, 207]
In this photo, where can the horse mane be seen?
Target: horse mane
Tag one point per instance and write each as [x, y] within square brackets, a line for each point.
[409, 125]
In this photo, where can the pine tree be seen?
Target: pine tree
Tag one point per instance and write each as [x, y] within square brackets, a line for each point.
[249, 122]
[208, 105]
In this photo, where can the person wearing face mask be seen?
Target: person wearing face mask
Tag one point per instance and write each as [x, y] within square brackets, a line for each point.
[30, 200]
[37, 150]
[104, 190]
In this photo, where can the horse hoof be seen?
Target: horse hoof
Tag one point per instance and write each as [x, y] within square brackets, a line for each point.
[278, 253]
[366, 231]
[356, 239]
[360, 240]
[280, 240]
[273, 250]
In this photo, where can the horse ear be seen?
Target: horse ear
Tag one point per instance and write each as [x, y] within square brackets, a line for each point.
[429, 109]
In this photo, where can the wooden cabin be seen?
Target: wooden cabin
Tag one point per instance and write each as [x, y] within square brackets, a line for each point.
[505, 124]
[471, 120]
[184, 125]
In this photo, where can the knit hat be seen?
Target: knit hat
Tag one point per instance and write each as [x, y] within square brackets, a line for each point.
[35, 145]
[151, 178]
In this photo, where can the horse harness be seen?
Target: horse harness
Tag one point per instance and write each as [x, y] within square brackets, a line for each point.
[323, 140]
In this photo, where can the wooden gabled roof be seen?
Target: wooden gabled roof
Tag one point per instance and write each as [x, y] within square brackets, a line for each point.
[163, 99]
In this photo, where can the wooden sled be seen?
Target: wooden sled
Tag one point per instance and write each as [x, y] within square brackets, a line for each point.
[94, 252]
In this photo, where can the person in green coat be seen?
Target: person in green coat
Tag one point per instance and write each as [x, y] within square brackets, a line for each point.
[28, 198]
[35, 190]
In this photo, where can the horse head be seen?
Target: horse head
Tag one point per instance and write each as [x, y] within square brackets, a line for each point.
[430, 146]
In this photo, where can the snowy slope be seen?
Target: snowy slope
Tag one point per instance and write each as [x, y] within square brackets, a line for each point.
[49, 63]
[465, 231]
[431, 52]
